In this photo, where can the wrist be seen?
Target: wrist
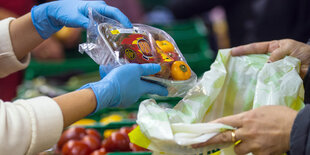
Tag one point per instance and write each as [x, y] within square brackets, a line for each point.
[76, 105]
[106, 92]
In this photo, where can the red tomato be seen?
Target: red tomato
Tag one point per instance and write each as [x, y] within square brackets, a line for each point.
[136, 148]
[101, 151]
[75, 147]
[91, 141]
[121, 141]
[174, 55]
[93, 132]
[76, 133]
[125, 130]
[108, 144]
[134, 126]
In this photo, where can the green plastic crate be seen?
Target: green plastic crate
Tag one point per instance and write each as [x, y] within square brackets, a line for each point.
[52, 68]
[135, 107]
[191, 36]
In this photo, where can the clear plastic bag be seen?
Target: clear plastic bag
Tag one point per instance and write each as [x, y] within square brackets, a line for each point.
[109, 43]
[232, 86]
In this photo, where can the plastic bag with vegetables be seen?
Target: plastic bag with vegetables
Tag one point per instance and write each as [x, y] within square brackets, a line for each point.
[233, 85]
[109, 43]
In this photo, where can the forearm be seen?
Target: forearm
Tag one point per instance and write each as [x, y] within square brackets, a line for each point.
[24, 36]
[4, 13]
[76, 105]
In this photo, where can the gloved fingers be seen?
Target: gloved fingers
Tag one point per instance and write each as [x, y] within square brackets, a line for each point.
[85, 5]
[152, 88]
[113, 13]
[149, 69]
[104, 70]
[83, 21]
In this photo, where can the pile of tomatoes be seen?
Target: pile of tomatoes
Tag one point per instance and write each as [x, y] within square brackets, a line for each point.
[81, 141]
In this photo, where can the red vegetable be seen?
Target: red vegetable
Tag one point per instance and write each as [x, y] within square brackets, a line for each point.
[91, 141]
[121, 141]
[75, 147]
[136, 148]
[101, 151]
[93, 132]
[76, 133]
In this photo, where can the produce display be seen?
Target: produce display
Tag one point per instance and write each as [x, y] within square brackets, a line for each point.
[82, 141]
[109, 43]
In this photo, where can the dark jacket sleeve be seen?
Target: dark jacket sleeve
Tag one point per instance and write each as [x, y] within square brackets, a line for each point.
[307, 84]
[300, 135]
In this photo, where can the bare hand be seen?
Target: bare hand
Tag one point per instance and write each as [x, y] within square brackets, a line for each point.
[278, 49]
[265, 130]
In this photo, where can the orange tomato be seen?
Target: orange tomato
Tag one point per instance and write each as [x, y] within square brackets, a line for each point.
[180, 71]
[165, 45]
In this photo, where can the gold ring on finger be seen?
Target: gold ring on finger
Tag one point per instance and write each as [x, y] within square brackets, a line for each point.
[233, 136]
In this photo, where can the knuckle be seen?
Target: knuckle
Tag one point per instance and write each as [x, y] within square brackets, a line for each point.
[225, 137]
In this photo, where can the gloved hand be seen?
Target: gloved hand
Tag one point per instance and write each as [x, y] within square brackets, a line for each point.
[104, 70]
[123, 85]
[50, 17]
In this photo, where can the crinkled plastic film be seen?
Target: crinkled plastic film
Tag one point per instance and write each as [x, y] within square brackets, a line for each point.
[109, 43]
[232, 86]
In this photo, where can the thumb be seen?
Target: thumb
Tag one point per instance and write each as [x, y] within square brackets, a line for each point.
[102, 71]
[114, 13]
[233, 120]
[83, 22]
[151, 88]
[149, 69]
[105, 69]
[278, 54]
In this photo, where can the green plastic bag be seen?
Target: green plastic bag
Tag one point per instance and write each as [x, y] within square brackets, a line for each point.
[233, 85]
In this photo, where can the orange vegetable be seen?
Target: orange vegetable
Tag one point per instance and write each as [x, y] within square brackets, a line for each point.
[165, 46]
[180, 71]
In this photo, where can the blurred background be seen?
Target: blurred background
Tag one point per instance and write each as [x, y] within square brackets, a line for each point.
[199, 27]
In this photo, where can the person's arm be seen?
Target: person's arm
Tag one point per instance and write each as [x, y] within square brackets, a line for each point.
[40, 121]
[29, 126]
[76, 105]
[21, 35]
[300, 135]
[24, 36]
[307, 87]
[9, 63]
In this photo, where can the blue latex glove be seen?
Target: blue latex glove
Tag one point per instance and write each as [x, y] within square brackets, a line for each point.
[104, 70]
[50, 17]
[123, 86]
